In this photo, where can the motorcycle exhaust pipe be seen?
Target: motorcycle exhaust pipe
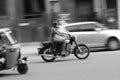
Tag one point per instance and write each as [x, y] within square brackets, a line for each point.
[50, 56]
[47, 55]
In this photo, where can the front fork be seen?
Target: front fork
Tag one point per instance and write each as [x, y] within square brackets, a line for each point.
[78, 47]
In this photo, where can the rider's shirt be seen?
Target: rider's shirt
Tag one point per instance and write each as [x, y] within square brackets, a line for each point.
[57, 35]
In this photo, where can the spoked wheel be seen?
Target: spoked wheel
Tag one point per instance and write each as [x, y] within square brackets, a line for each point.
[48, 55]
[82, 51]
[113, 44]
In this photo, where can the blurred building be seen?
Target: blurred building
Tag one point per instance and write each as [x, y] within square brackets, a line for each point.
[27, 18]
[105, 11]
[30, 19]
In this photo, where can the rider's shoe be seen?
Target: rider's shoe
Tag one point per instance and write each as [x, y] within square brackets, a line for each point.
[63, 54]
[1, 65]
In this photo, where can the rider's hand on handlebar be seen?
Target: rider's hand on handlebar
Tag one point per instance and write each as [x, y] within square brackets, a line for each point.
[69, 35]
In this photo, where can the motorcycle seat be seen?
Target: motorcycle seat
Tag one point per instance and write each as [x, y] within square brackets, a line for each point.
[45, 43]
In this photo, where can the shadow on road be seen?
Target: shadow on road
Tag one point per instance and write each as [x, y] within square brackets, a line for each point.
[103, 50]
[8, 74]
[35, 58]
[58, 61]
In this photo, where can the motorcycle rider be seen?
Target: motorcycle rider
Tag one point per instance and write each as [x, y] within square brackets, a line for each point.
[58, 37]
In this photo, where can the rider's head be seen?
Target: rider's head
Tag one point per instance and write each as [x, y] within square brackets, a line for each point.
[54, 24]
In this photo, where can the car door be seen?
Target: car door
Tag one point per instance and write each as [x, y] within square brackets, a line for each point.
[87, 34]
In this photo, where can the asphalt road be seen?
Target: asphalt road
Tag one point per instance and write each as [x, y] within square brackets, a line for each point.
[104, 65]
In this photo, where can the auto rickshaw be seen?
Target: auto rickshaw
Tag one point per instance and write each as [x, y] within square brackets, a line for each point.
[10, 53]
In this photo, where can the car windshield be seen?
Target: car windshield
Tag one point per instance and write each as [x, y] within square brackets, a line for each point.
[11, 37]
[102, 26]
[86, 27]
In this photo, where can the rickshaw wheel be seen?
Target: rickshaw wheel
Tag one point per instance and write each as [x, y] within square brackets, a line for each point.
[22, 68]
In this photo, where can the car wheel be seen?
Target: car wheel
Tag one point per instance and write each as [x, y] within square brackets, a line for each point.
[113, 44]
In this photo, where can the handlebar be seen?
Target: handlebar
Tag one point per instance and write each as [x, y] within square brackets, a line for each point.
[69, 35]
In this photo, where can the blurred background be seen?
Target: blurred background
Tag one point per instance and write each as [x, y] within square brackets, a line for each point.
[31, 19]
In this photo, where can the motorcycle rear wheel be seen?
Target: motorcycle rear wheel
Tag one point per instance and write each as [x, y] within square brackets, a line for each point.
[84, 53]
[47, 56]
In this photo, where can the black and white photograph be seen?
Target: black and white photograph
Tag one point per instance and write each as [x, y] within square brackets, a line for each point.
[59, 39]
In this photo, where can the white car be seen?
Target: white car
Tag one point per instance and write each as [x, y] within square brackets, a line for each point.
[93, 34]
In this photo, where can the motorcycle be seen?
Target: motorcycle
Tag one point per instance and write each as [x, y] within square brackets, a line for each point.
[50, 50]
[10, 53]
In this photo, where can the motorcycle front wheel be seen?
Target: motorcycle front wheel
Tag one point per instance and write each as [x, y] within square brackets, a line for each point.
[81, 51]
[48, 55]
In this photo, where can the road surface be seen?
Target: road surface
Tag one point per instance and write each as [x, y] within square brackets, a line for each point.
[104, 65]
